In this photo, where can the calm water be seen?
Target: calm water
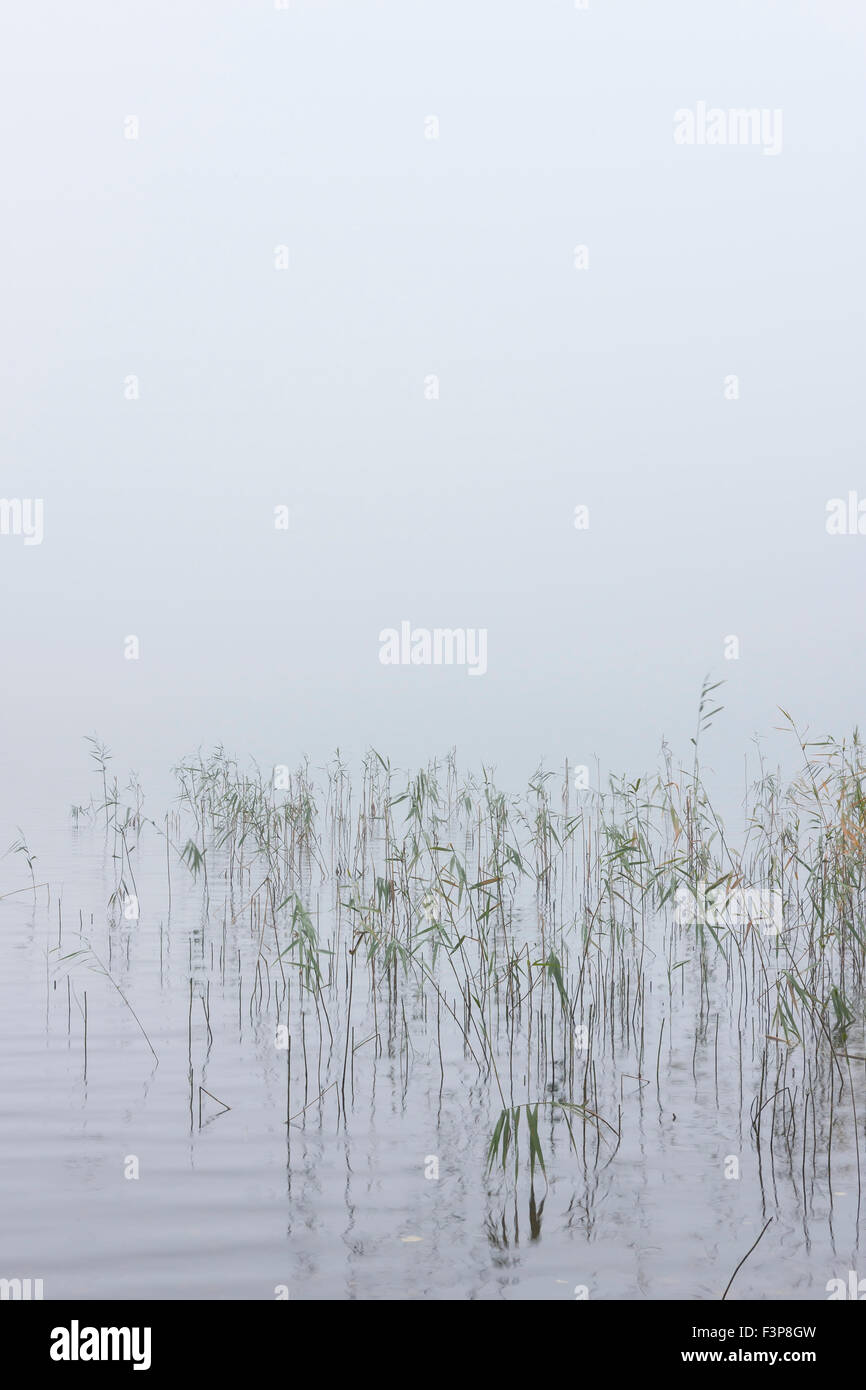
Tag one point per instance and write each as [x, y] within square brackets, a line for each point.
[349, 1205]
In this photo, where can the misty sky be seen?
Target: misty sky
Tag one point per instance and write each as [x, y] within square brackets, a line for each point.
[410, 257]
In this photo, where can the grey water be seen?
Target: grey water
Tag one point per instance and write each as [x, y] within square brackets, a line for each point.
[145, 1151]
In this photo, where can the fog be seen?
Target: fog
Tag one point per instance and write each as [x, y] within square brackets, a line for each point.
[429, 170]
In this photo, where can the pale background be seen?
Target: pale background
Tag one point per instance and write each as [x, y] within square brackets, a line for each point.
[410, 256]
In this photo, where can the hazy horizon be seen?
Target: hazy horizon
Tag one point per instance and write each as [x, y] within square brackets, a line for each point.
[410, 257]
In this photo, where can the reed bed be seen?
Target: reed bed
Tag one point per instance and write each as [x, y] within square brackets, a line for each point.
[553, 946]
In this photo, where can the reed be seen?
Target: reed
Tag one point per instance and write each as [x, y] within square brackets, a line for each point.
[552, 946]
